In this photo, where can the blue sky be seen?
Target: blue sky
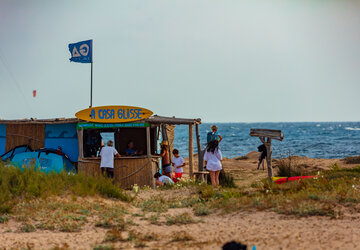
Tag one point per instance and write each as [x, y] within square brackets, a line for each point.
[224, 61]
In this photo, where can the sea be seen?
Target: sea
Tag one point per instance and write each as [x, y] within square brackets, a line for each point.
[312, 139]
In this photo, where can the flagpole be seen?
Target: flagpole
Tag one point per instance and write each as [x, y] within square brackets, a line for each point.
[91, 87]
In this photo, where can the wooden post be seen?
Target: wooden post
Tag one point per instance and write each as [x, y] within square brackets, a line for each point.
[191, 150]
[148, 142]
[80, 134]
[200, 155]
[267, 144]
[268, 158]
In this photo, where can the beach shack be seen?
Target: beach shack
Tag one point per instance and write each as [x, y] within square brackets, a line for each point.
[77, 136]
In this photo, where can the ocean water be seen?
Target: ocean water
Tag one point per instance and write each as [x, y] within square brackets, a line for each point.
[311, 139]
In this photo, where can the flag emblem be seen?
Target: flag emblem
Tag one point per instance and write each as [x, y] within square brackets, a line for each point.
[81, 52]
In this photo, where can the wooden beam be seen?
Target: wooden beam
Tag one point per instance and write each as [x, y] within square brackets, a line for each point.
[191, 150]
[200, 155]
[270, 133]
[148, 142]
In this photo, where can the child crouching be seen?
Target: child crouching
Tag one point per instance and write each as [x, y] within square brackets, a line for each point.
[162, 180]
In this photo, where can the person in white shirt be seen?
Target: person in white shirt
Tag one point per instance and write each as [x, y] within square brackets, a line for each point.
[213, 158]
[178, 164]
[107, 154]
[162, 180]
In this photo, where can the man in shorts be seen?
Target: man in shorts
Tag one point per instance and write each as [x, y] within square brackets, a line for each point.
[165, 159]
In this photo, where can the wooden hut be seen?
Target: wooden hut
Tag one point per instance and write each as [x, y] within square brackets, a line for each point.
[73, 136]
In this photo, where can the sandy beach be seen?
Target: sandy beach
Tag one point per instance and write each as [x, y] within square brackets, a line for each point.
[264, 229]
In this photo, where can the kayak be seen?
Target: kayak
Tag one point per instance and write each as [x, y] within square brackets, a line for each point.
[294, 178]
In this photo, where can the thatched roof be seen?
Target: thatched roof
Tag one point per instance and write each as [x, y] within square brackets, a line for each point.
[155, 119]
[171, 120]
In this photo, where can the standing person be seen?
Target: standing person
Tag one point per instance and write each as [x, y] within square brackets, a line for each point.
[213, 134]
[262, 149]
[93, 144]
[178, 163]
[213, 158]
[165, 159]
[107, 154]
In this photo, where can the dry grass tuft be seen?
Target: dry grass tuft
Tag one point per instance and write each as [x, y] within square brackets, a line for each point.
[182, 236]
[180, 219]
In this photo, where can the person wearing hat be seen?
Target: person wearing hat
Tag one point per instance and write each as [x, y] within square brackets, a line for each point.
[165, 159]
[213, 135]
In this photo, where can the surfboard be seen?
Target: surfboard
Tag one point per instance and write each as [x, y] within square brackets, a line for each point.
[276, 178]
[113, 114]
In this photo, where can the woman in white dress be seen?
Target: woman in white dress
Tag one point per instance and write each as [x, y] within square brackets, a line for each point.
[213, 158]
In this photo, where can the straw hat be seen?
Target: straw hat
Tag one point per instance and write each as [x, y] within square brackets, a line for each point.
[166, 143]
[213, 127]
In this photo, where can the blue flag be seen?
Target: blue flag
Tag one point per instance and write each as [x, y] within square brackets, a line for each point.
[81, 52]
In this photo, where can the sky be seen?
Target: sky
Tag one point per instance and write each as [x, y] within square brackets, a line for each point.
[221, 61]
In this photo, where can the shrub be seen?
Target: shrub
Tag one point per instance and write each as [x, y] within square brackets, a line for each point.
[154, 205]
[207, 192]
[201, 210]
[4, 218]
[27, 228]
[113, 235]
[352, 160]
[288, 167]
[226, 179]
[101, 247]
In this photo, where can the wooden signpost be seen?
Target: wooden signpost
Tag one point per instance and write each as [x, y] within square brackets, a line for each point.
[265, 136]
[113, 114]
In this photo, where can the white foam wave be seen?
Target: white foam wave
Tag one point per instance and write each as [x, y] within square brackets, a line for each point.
[354, 129]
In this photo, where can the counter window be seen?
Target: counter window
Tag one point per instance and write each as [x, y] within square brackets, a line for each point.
[127, 141]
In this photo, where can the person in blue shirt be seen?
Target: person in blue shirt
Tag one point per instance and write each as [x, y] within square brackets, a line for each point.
[213, 135]
[130, 149]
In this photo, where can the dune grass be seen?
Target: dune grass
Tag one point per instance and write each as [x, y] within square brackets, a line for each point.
[17, 185]
[326, 195]
[23, 191]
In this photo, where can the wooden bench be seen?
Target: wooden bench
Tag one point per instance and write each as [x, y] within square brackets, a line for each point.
[201, 175]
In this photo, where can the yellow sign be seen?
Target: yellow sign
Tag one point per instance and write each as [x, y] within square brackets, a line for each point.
[113, 114]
